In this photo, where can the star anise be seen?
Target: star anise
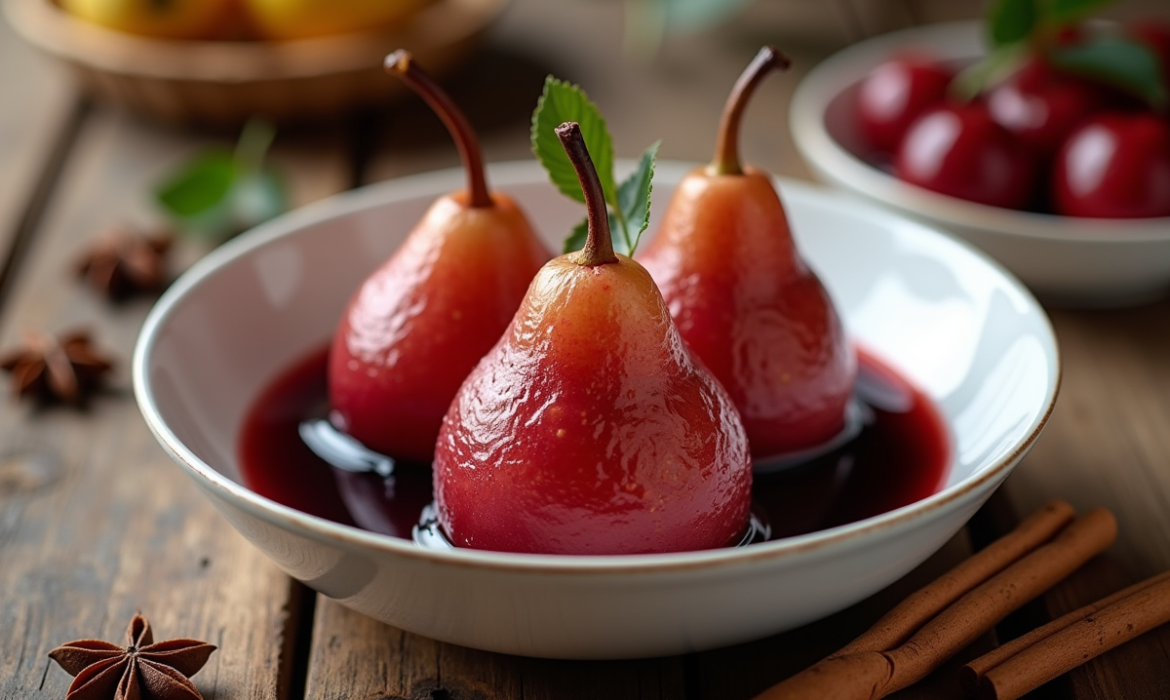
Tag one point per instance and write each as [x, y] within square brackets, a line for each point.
[142, 670]
[122, 263]
[66, 368]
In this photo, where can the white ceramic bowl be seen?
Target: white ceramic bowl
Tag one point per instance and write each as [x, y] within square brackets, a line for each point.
[1083, 262]
[967, 333]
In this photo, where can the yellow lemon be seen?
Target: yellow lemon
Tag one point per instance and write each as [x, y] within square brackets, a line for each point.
[298, 19]
[172, 19]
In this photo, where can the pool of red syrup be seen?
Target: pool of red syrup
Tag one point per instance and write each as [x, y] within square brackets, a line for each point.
[900, 457]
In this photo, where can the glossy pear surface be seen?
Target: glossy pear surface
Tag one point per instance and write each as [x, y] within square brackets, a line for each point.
[751, 309]
[590, 429]
[419, 324]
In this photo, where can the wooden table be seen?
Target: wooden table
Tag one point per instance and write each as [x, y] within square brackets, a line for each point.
[96, 523]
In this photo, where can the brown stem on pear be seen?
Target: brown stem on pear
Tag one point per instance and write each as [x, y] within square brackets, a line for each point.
[402, 64]
[598, 248]
[726, 160]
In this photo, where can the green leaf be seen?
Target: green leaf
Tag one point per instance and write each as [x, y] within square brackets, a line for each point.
[199, 186]
[634, 198]
[576, 239]
[1067, 11]
[218, 193]
[1118, 61]
[563, 102]
[1009, 21]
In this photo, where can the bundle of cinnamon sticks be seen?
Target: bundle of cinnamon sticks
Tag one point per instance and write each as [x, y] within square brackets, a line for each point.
[935, 623]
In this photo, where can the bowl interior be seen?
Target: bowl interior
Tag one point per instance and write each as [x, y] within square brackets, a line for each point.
[953, 323]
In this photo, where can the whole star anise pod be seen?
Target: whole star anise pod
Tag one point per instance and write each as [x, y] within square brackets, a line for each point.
[122, 263]
[142, 670]
[65, 368]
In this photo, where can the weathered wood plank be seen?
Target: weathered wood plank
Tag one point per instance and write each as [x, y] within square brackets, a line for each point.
[355, 657]
[1107, 445]
[34, 122]
[95, 522]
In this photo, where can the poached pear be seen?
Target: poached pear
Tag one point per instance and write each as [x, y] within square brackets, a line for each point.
[422, 320]
[746, 302]
[589, 428]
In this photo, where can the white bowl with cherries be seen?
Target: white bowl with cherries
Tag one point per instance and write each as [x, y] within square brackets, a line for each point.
[1063, 179]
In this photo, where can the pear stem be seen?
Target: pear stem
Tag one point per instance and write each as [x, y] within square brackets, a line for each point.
[726, 160]
[402, 64]
[598, 248]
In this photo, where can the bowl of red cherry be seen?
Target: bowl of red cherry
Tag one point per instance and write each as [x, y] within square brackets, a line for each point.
[1042, 140]
[403, 399]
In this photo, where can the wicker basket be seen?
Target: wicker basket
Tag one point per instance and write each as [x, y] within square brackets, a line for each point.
[225, 82]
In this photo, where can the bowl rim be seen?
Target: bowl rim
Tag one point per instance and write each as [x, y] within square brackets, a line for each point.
[50, 28]
[948, 40]
[503, 175]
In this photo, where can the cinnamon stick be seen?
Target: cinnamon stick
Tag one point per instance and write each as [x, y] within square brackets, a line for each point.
[970, 675]
[911, 614]
[869, 675]
[1111, 626]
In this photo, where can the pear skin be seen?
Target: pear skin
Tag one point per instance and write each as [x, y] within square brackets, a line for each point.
[421, 321]
[590, 428]
[745, 301]
[419, 324]
[747, 304]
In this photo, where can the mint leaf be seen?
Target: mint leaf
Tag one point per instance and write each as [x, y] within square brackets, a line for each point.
[1066, 11]
[1009, 21]
[1121, 62]
[634, 198]
[201, 185]
[563, 102]
[218, 193]
[576, 239]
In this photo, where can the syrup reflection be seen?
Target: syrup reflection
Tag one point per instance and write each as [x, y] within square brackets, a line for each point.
[894, 453]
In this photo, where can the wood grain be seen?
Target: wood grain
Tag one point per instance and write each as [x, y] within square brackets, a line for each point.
[36, 121]
[379, 661]
[1107, 444]
[95, 521]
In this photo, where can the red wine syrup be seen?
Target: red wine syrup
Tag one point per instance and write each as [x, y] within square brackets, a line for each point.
[900, 456]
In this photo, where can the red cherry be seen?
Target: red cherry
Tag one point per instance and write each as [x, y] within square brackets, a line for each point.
[1042, 106]
[895, 93]
[957, 149]
[1116, 166]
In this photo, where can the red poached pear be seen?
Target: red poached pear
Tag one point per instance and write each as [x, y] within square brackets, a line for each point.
[892, 96]
[589, 428]
[1117, 165]
[422, 320]
[745, 301]
[957, 149]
